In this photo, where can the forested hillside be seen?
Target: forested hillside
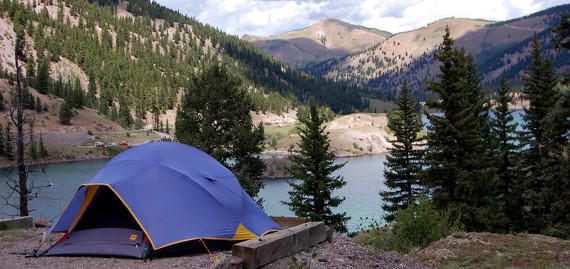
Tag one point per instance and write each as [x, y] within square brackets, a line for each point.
[125, 59]
[501, 47]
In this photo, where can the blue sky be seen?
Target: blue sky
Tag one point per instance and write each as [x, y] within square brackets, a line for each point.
[269, 17]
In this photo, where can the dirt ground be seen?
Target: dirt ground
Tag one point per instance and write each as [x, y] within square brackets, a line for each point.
[343, 252]
[487, 250]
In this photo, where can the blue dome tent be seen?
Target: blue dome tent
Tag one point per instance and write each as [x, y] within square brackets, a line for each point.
[158, 198]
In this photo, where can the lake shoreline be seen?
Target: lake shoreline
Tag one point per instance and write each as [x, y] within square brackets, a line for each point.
[280, 155]
[4, 165]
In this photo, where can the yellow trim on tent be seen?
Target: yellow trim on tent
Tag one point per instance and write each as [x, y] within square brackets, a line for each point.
[197, 238]
[89, 194]
[221, 239]
[243, 233]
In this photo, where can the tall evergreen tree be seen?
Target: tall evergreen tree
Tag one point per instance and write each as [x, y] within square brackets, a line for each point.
[42, 151]
[38, 105]
[557, 174]
[32, 149]
[125, 118]
[540, 89]
[558, 121]
[404, 161]
[458, 155]
[313, 166]
[506, 149]
[155, 117]
[78, 96]
[92, 92]
[65, 112]
[214, 117]
[42, 80]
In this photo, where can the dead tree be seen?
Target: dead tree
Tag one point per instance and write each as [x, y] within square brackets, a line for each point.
[19, 123]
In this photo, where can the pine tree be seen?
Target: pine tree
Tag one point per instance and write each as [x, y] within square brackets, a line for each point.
[404, 161]
[458, 155]
[42, 80]
[43, 152]
[506, 149]
[32, 150]
[65, 112]
[78, 97]
[91, 92]
[214, 117]
[156, 117]
[113, 114]
[556, 175]
[540, 89]
[313, 165]
[125, 118]
[30, 65]
[28, 101]
[38, 105]
[558, 122]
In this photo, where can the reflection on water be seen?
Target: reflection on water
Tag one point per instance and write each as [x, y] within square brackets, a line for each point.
[362, 174]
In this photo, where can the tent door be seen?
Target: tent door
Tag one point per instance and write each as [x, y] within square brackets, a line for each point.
[103, 242]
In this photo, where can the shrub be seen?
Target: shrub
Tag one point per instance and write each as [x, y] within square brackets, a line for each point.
[415, 227]
[354, 145]
[89, 132]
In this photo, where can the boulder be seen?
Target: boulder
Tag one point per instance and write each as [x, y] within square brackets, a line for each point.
[42, 223]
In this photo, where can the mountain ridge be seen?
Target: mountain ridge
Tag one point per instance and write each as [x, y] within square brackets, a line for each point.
[325, 39]
[498, 47]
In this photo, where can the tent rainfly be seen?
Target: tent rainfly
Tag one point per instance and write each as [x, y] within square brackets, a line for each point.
[159, 198]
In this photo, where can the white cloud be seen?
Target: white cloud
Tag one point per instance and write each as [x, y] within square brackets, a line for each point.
[269, 17]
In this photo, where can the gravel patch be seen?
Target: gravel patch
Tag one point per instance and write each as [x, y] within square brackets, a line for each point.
[346, 252]
[343, 252]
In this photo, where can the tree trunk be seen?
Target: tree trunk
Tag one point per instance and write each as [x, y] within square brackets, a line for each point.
[22, 177]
